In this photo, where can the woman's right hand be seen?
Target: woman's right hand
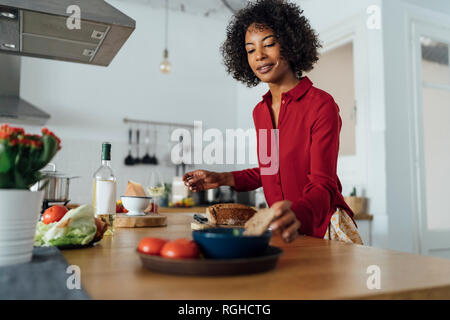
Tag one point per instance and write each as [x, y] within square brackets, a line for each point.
[199, 180]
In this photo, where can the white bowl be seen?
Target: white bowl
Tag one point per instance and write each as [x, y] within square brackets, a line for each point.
[135, 205]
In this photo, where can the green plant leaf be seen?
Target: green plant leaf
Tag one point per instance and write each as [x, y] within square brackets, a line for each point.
[6, 157]
[50, 147]
[6, 180]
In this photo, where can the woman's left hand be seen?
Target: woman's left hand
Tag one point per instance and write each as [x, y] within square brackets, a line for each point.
[286, 221]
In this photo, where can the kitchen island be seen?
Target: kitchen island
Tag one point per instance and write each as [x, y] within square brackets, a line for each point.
[310, 268]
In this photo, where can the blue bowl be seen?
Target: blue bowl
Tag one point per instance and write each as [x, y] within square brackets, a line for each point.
[229, 243]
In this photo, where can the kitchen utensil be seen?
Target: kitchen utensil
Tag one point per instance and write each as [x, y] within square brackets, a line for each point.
[230, 243]
[135, 205]
[221, 194]
[200, 218]
[227, 194]
[153, 158]
[150, 220]
[137, 159]
[200, 197]
[129, 160]
[247, 198]
[213, 267]
[213, 196]
[54, 184]
[147, 159]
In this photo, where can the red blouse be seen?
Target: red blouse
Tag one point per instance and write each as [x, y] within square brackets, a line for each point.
[309, 125]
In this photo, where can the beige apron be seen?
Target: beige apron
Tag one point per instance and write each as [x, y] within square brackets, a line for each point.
[342, 228]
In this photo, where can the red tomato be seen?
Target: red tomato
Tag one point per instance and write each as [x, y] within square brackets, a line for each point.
[151, 245]
[54, 214]
[180, 249]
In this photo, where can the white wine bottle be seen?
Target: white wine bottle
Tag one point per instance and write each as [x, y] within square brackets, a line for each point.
[104, 193]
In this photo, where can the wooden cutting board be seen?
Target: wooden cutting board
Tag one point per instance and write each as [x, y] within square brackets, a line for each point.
[195, 225]
[149, 220]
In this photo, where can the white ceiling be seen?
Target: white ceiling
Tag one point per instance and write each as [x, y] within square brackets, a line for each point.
[202, 7]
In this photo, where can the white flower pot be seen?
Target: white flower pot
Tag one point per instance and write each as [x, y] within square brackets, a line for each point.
[19, 214]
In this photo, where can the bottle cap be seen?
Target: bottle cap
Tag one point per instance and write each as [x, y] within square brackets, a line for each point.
[106, 151]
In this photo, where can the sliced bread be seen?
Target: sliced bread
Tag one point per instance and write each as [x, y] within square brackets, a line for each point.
[229, 214]
[259, 223]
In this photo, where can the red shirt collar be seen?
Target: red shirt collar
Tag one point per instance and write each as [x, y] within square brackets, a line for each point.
[295, 93]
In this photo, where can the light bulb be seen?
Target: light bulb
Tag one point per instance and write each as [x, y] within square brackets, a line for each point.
[165, 66]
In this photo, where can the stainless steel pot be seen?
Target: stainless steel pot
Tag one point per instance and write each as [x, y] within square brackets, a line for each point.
[54, 184]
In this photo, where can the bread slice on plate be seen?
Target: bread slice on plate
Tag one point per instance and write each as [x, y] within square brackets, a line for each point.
[259, 223]
[229, 214]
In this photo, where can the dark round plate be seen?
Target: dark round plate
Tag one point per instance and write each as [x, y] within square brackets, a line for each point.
[213, 267]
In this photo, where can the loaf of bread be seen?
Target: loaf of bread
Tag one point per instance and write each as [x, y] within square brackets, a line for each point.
[134, 189]
[229, 214]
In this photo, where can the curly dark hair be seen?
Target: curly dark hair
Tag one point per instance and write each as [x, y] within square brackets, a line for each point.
[298, 41]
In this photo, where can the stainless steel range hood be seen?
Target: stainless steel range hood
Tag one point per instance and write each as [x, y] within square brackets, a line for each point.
[13, 109]
[40, 28]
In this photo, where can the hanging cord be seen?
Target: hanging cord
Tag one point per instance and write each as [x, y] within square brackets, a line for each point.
[167, 27]
[226, 4]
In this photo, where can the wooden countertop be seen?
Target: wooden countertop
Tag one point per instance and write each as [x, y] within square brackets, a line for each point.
[310, 268]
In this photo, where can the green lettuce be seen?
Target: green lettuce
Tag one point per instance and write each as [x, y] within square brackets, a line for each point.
[77, 227]
[41, 230]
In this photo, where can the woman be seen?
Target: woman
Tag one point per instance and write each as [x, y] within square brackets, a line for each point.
[270, 41]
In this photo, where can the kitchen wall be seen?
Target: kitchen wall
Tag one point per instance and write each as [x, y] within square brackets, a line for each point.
[88, 103]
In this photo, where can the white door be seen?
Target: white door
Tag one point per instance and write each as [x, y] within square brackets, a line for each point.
[432, 137]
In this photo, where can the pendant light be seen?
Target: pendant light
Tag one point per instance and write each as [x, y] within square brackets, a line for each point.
[165, 66]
